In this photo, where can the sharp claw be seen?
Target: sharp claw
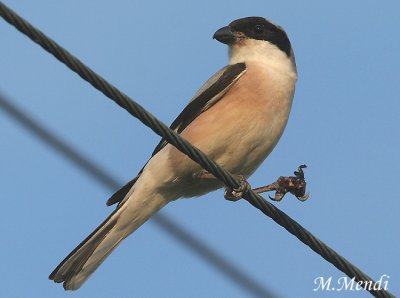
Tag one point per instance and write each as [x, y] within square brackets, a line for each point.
[230, 196]
[278, 196]
[237, 194]
[302, 167]
[299, 173]
[296, 185]
[303, 198]
[274, 198]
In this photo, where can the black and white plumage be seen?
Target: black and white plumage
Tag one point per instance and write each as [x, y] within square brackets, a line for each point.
[236, 118]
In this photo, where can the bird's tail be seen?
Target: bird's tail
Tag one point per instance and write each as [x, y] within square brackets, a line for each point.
[76, 268]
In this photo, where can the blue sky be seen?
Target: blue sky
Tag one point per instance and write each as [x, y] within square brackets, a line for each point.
[344, 126]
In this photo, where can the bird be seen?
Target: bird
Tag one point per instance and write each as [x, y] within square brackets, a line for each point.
[236, 118]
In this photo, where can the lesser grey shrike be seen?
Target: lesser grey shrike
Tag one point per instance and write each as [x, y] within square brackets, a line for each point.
[236, 118]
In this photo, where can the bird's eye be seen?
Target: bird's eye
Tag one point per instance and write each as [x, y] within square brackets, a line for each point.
[258, 29]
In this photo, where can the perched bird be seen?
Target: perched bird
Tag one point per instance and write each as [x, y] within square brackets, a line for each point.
[236, 118]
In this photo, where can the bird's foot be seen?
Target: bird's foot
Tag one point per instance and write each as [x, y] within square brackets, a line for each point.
[296, 185]
[229, 194]
[237, 193]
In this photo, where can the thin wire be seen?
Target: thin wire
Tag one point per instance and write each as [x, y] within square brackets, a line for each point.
[184, 146]
[163, 221]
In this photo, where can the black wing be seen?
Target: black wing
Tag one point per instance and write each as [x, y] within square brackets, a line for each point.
[212, 91]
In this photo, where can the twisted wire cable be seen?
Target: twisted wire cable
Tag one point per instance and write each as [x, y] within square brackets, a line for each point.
[185, 147]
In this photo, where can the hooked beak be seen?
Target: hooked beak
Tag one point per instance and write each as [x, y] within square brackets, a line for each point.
[225, 35]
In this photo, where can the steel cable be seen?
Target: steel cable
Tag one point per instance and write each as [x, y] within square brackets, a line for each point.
[184, 146]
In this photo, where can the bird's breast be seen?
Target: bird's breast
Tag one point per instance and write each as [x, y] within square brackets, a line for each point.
[241, 129]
